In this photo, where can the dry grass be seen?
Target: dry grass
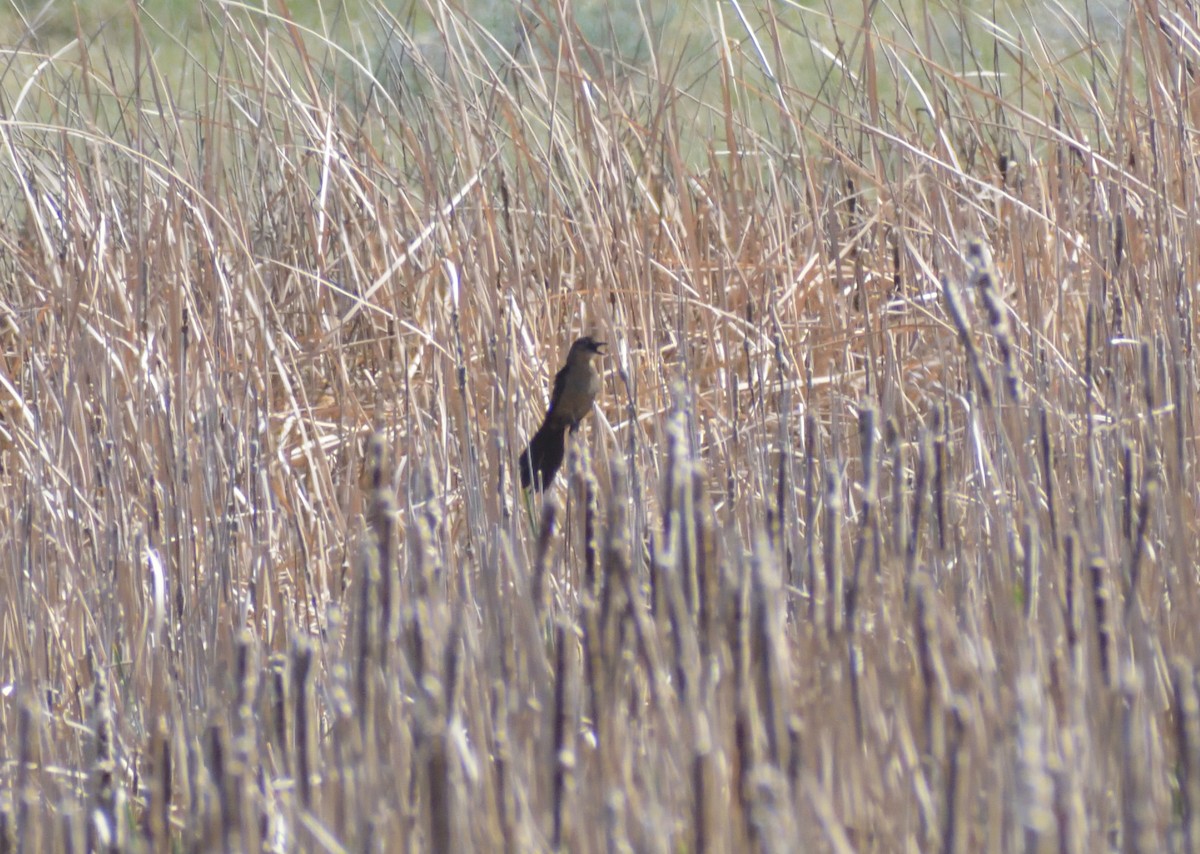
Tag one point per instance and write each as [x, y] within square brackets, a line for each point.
[884, 535]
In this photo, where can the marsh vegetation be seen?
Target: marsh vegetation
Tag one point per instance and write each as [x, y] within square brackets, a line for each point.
[883, 536]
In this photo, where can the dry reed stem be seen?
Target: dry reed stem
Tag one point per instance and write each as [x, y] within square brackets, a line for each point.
[865, 548]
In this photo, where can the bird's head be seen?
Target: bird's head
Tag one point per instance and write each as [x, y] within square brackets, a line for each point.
[588, 347]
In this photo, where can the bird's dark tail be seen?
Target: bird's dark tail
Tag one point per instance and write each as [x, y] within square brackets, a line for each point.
[542, 459]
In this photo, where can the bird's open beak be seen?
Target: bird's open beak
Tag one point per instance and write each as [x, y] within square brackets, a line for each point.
[598, 347]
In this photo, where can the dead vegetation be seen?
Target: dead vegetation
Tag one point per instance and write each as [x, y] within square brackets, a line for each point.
[883, 539]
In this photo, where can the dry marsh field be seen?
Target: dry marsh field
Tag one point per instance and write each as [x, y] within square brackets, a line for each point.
[883, 536]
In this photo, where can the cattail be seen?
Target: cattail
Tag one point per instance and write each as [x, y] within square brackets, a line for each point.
[502, 758]
[1146, 363]
[941, 429]
[868, 440]
[279, 707]
[772, 813]
[1179, 410]
[564, 761]
[439, 767]
[779, 514]
[1069, 809]
[355, 745]
[1149, 491]
[810, 511]
[868, 524]
[1102, 603]
[795, 761]
[104, 826]
[381, 521]
[958, 758]
[1127, 479]
[1187, 736]
[985, 278]
[745, 753]
[1137, 803]
[899, 486]
[959, 318]
[441, 791]
[591, 512]
[245, 676]
[222, 820]
[1048, 472]
[597, 587]
[71, 834]
[615, 831]
[302, 658]
[1035, 789]
[25, 793]
[708, 571]
[8, 829]
[933, 676]
[541, 563]
[1031, 548]
[369, 642]
[770, 649]
[418, 618]
[703, 794]
[678, 509]
[159, 806]
[920, 482]
[1073, 612]
[835, 588]
[429, 564]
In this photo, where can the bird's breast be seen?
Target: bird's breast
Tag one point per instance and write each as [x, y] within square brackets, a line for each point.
[578, 393]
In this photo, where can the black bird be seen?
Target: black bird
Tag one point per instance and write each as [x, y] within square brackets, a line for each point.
[575, 390]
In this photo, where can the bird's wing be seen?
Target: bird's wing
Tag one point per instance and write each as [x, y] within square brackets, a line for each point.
[560, 383]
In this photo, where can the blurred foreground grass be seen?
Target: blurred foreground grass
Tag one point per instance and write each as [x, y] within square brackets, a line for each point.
[883, 536]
